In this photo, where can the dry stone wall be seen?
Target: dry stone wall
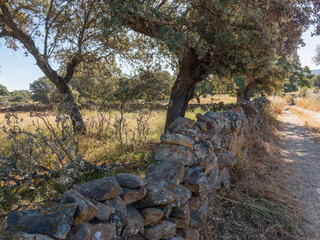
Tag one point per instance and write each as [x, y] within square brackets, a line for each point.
[193, 162]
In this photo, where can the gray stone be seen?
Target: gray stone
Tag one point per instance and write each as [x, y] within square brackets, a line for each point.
[85, 211]
[182, 212]
[182, 194]
[156, 196]
[180, 123]
[102, 231]
[197, 182]
[226, 159]
[178, 139]
[104, 211]
[206, 158]
[53, 221]
[166, 174]
[194, 234]
[152, 215]
[225, 177]
[169, 152]
[180, 223]
[135, 237]
[27, 236]
[195, 220]
[135, 223]
[81, 231]
[118, 214]
[133, 195]
[202, 125]
[101, 189]
[128, 180]
[162, 230]
[177, 238]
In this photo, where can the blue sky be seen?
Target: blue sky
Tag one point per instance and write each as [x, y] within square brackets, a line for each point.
[18, 71]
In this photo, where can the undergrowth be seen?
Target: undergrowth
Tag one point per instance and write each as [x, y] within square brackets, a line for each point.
[255, 206]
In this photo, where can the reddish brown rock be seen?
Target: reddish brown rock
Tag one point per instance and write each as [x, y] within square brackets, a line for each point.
[152, 215]
[133, 195]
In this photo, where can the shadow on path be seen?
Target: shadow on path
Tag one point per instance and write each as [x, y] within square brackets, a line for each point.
[302, 156]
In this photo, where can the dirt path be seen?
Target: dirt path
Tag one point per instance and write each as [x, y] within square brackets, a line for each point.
[302, 156]
[312, 114]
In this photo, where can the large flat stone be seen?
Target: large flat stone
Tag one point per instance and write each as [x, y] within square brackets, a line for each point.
[167, 174]
[162, 230]
[133, 195]
[156, 196]
[169, 152]
[178, 139]
[54, 221]
[135, 223]
[128, 180]
[152, 215]
[85, 210]
[101, 189]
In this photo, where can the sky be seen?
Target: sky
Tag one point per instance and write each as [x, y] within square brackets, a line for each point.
[17, 71]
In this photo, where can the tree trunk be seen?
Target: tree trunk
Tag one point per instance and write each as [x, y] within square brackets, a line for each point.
[71, 107]
[191, 72]
[246, 93]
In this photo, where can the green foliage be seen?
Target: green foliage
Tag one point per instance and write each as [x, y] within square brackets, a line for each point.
[19, 96]
[298, 77]
[316, 81]
[41, 89]
[3, 90]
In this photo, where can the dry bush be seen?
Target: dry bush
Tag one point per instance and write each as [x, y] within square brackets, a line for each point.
[311, 103]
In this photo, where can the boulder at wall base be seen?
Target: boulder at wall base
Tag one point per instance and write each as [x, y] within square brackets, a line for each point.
[85, 210]
[156, 196]
[87, 231]
[169, 152]
[54, 221]
[166, 174]
[128, 180]
[163, 230]
[101, 189]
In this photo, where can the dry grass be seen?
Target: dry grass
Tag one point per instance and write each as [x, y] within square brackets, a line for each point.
[277, 104]
[311, 103]
[225, 98]
[255, 206]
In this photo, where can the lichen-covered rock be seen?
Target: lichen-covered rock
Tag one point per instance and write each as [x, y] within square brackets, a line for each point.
[197, 182]
[166, 174]
[195, 220]
[206, 158]
[180, 223]
[225, 177]
[177, 238]
[182, 212]
[27, 236]
[180, 123]
[54, 221]
[152, 215]
[178, 139]
[102, 231]
[101, 189]
[85, 210]
[118, 214]
[226, 159]
[133, 195]
[163, 230]
[104, 211]
[169, 152]
[81, 231]
[194, 202]
[182, 194]
[128, 180]
[135, 237]
[156, 196]
[135, 222]
[221, 120]
[202, 125]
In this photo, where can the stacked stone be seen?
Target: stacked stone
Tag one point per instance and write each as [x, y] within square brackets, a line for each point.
[193, 162]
